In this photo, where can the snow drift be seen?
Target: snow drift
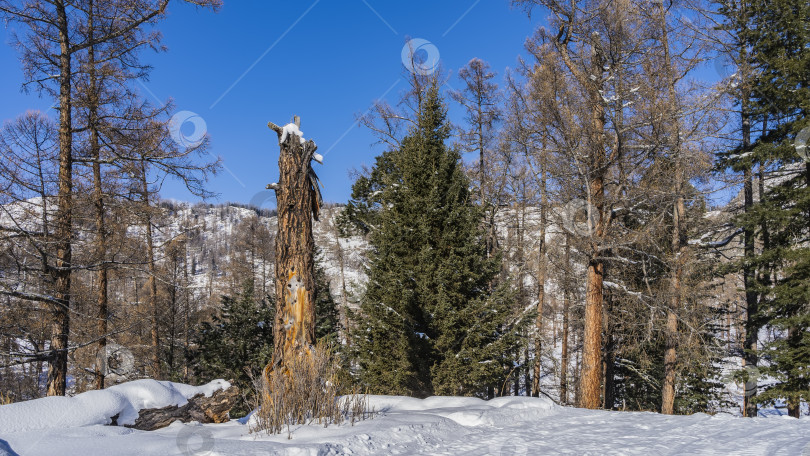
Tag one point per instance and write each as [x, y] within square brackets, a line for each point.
[402, 425]
[97, 407]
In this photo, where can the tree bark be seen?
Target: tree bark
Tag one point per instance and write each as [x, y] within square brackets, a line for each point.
[566, 307]
[541, 281]
[610, 349]
[591, 376]
[678, 240]
[60, 313]
[98, 204]
[152, 281]
[750, 358]
[298, 202]
[213, 409]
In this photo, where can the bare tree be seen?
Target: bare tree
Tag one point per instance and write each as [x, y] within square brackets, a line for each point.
[48, 54]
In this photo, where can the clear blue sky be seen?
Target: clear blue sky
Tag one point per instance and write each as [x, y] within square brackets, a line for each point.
[325, 60]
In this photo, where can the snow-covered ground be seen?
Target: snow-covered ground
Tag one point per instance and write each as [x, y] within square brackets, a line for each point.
[435, 426]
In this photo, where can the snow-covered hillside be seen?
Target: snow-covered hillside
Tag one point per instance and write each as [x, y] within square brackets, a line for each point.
[407, 426]
[215, 228]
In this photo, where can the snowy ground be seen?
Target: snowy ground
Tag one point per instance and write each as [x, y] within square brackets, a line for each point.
[435, 426]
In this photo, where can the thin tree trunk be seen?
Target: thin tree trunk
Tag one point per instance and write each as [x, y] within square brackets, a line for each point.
[610, 346]
[98, 204]
[794, 339]
[60, 313]
[566, 307]
[152, 281]
[750, 358]
[186, 310]
[678, 235]
[541, 281]
[577, 367]
[527, 378]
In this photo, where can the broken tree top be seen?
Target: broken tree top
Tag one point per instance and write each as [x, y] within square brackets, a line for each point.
[293, 128]
[296, 176]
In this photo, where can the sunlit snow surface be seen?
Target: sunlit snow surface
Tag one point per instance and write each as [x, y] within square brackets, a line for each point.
[442, 426]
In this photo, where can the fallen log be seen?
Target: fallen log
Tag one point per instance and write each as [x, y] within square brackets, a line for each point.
[213, 409]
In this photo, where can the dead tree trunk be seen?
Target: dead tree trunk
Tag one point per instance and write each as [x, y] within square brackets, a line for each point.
[298, 200]
[200, 408]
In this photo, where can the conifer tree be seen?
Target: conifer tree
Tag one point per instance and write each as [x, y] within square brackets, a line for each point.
[429, 322]
[779, 38]
[238, 340]
[327, 321]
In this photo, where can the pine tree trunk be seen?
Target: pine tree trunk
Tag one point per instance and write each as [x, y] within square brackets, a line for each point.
[98, 205]
[678, 235]
[750, 358]
[609, 396]
[541, 281]
[186, 310]
[60, 313]
[152, 281]
[591, 376]
[298, 201]
[591, 382]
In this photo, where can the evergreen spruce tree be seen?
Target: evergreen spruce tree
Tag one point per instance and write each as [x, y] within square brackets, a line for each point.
[430, 321]
[327, 322]
[238, 340]
[779, 38]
